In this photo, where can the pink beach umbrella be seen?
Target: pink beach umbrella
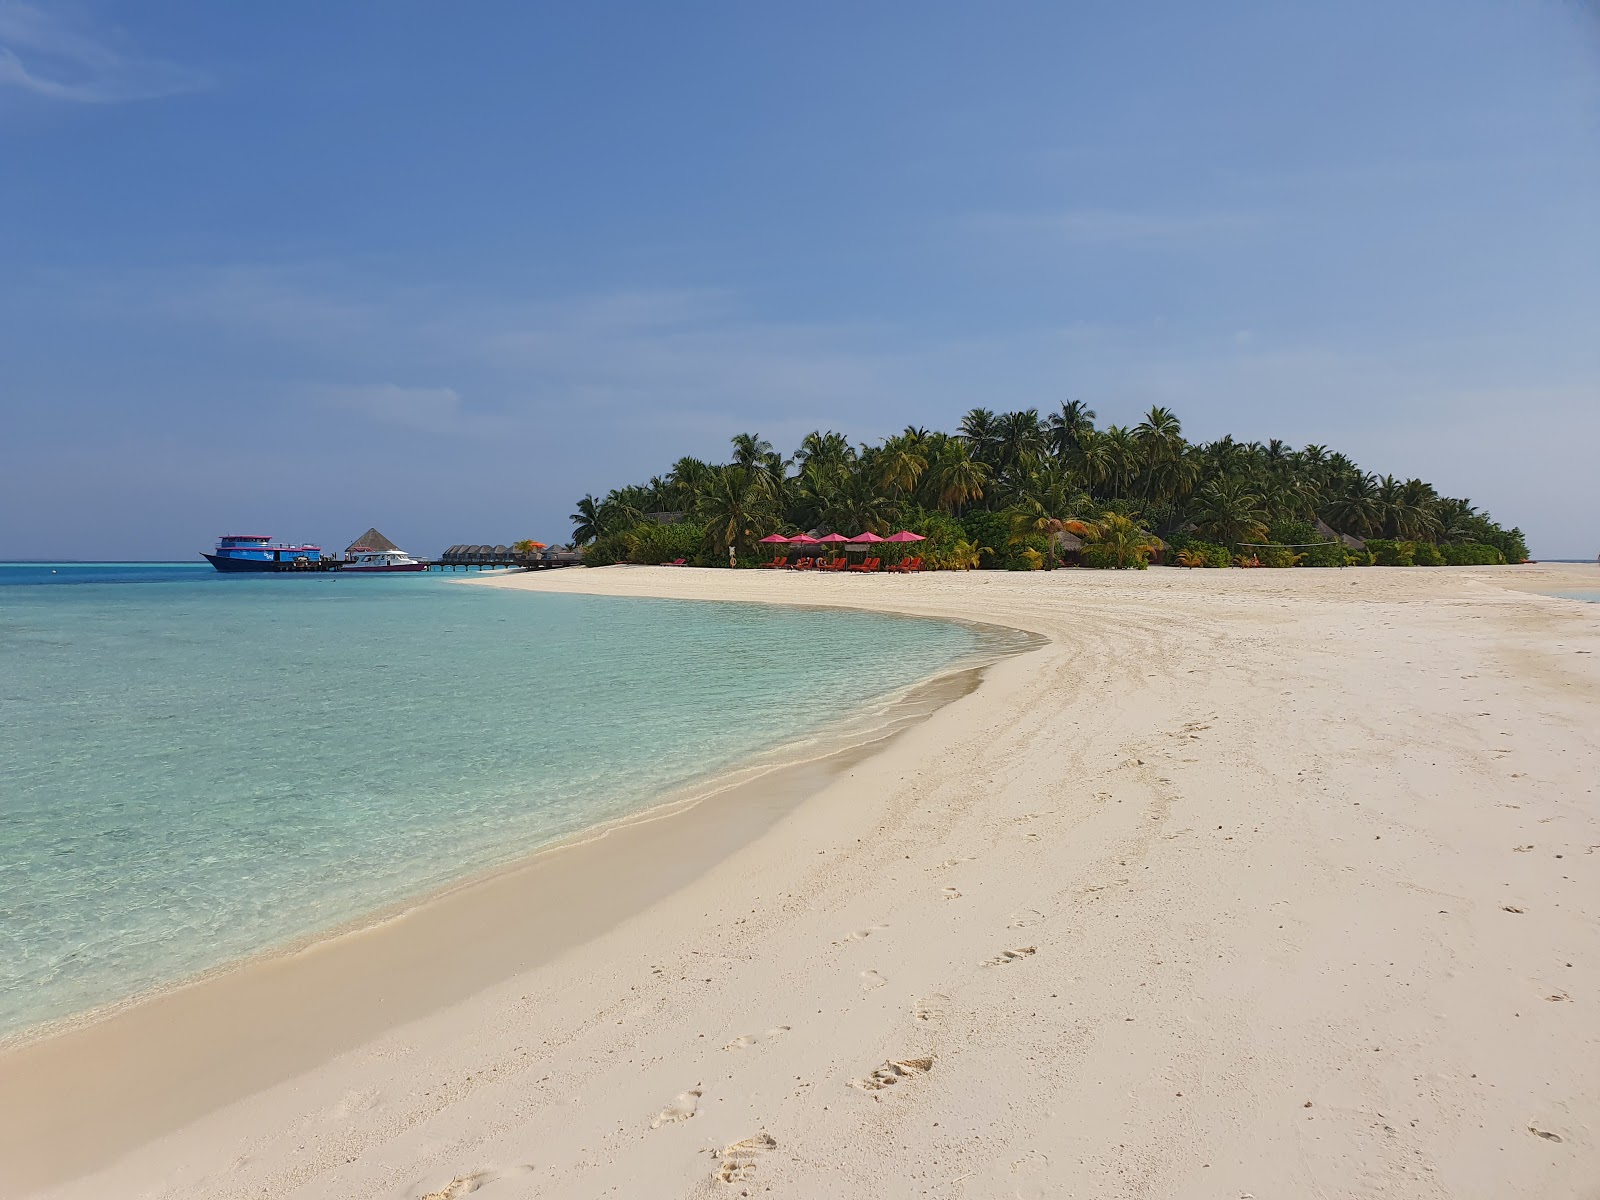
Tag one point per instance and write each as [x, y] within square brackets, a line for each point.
[832, 539]
[774, 539]
[802, 539]
[866, 537]
[905, 535]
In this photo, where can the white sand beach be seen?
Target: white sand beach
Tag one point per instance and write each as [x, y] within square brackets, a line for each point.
[1244, 884]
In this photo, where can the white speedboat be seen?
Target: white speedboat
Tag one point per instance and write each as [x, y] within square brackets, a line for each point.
[365, 560]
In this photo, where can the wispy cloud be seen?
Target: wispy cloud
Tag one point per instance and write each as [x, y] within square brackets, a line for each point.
[437, 410]
[61, 55]
[1119, 227]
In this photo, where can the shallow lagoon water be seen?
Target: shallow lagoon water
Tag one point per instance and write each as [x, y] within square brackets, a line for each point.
[197, 767]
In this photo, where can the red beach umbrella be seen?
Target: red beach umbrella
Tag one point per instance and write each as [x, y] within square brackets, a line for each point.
[774, 539]
[905, 535]
[868, 536]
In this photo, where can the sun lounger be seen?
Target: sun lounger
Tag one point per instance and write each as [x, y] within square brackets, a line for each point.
[905, 566]
[837, 564]
[805, 564]
[677, 562]
[777, 562]
[870, 564]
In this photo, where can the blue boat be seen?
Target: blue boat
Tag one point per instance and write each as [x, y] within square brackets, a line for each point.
[256, 552]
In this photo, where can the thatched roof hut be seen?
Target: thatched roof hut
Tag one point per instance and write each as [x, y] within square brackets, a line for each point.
[372, 540]
[1350, 542]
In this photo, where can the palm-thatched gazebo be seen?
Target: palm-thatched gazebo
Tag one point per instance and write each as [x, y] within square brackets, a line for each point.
[371, 540]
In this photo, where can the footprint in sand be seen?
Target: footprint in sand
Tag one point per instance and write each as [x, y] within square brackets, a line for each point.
[950, 894]
[681, 1109]
[932, 1008]
[861, 935]
[1024, 919]
[892, 1073]
[1031, 837]
[871, 981]
[736, 1163]
[465, 1185]
[1011, 956]
[745, 1040]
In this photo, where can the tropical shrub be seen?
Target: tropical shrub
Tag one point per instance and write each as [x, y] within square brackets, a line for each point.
[992, 532]
[1387, 552]
[1278, 556]
[654, 544]
[1116, 540]
[609, 548]
[1192, 552]
[1470, 554]
[963, 556]
[1426, 554]
[1334, 555]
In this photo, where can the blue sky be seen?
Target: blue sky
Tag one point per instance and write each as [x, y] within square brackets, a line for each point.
[303, 268]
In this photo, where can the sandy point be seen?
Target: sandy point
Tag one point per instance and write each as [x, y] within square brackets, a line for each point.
[1269, 883]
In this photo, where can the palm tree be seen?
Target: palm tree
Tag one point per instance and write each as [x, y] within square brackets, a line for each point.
[588, 522]
[1354, 506]
[958, 478]
[684, 482]
[1227, 511]
[737, 509]
[1067, 426]
[979, 432]
[1121, 536]
[1020, 438]
[827, 448]
[900, 466]
[1160, 440]
[1121, 458]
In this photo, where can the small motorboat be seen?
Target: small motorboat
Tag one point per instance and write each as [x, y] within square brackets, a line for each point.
[366, 560]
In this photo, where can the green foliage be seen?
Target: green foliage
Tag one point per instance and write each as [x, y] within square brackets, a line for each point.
[1470, 554]
[648, 543]
[1426, 554]
[654, 544]
[1003, 479]
[992, 531]
[1386, 552]
[609, 548]
[1118, 541]
[1192, 552]
[1278, 556]
[1104, 558]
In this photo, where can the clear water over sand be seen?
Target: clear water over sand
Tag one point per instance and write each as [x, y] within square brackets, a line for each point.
[197, 767]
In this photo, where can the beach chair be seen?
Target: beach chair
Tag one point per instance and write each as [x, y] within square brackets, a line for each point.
[677, 562]
[777, 562]
[805, 564]
[905, 566]
[869, 565]
[837, 564]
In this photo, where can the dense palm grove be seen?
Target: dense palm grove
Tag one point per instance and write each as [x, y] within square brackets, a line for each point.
[1019, 491]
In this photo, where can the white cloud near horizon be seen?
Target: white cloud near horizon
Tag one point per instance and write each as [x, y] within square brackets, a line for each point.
[57, 54]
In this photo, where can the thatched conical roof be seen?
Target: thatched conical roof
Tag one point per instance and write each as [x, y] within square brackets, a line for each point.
[372, 540]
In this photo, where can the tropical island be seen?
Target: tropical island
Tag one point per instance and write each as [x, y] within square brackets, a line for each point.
[1018, 491]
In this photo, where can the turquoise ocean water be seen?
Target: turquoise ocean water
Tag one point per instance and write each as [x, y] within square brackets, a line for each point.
[195, 767]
